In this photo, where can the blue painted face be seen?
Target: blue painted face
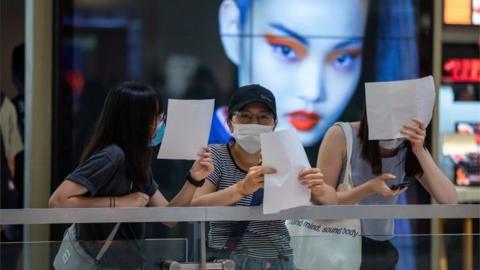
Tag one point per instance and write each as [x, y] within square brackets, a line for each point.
[157, 139]
[311, 62]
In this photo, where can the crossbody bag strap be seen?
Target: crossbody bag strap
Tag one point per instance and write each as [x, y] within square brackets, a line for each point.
[347, 130]
[108, 242]
[110, 237]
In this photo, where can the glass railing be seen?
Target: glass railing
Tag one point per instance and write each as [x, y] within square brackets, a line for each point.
[451, 239]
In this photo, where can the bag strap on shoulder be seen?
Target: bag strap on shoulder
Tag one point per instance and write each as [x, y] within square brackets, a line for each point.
[347, 130]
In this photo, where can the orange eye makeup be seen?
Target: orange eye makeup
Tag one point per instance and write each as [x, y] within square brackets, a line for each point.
[338, 53]
[297, 48]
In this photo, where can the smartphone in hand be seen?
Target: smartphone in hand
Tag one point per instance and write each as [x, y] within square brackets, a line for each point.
[400, 185]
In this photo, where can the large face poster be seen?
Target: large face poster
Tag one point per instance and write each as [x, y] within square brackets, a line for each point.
[310, 53]
[314, 55]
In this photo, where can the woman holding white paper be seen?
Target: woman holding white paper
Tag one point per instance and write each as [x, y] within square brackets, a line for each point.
[237, 179]
[377, 166]
[115, 172]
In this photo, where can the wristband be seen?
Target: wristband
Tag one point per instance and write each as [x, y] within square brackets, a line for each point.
[193, 181]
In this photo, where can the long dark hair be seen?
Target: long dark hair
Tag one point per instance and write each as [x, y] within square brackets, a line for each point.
[126, 120]
[371, 152]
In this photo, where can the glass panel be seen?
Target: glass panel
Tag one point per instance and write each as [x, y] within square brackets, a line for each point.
[455, 251]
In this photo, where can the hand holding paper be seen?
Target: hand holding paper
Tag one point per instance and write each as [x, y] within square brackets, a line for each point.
[188, 128]
[390, 105]
[255, 178]
[314, 180]
[415, 133]
[283, 151]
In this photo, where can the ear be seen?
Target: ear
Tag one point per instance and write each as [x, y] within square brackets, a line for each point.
[229, 24]
[230, 125]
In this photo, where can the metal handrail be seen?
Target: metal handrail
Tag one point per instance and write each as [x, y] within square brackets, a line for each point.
[230, 213]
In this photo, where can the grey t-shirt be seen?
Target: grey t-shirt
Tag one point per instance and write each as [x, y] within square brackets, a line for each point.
[104, 174]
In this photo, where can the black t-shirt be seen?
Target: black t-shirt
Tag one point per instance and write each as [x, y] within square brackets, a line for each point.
[103, 175]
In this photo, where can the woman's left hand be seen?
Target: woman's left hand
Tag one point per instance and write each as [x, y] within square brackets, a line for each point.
[415, 133]
[203, 166]
[314, 180]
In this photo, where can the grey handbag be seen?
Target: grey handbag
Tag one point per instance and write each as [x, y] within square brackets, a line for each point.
[71, 255]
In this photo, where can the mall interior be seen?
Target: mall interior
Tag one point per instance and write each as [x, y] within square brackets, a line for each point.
[60, 58]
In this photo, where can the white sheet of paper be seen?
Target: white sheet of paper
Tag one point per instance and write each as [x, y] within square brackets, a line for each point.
[283, 151]
[390, 105]
[188, 128]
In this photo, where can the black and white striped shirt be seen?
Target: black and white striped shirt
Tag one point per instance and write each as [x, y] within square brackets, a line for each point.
[262, 239]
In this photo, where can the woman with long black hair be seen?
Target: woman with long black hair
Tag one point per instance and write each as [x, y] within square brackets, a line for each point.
[115, 172]
[377, 165]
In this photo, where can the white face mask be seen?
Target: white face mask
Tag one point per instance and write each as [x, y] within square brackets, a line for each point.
[391, 144]
[248, 136]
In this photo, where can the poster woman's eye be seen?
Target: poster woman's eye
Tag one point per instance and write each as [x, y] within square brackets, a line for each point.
[286, 48]
[285, 51]
[343, 60]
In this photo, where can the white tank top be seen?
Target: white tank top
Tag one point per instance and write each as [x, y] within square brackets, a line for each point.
[377, 229]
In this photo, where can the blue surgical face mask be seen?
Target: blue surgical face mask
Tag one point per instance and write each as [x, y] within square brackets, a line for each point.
[158, 134]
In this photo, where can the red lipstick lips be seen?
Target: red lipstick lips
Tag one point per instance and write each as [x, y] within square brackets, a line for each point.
[303, 120]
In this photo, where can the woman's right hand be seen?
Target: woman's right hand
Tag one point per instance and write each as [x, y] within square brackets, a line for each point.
[379, 185]
[254, 179]
[203, 166]
[134, 199]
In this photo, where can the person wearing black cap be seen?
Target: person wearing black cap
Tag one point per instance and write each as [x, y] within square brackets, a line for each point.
[237, 179]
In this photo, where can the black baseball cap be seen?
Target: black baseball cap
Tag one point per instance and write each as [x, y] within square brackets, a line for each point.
[252, 93]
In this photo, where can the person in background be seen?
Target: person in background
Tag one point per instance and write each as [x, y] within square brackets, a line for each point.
[11, 138]
[237, 179]
[18, 80]
[115, 172]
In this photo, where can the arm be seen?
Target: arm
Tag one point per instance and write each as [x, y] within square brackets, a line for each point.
[320, 192]
[158, 200]
[72, 195]
[330, 158]
[208, 196]
[433, 179]
[201, 169]
[376, 185]
[184, 197]
[330, 155]
[11, 166]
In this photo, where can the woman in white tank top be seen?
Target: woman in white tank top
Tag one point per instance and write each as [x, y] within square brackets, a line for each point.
[376, 166]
